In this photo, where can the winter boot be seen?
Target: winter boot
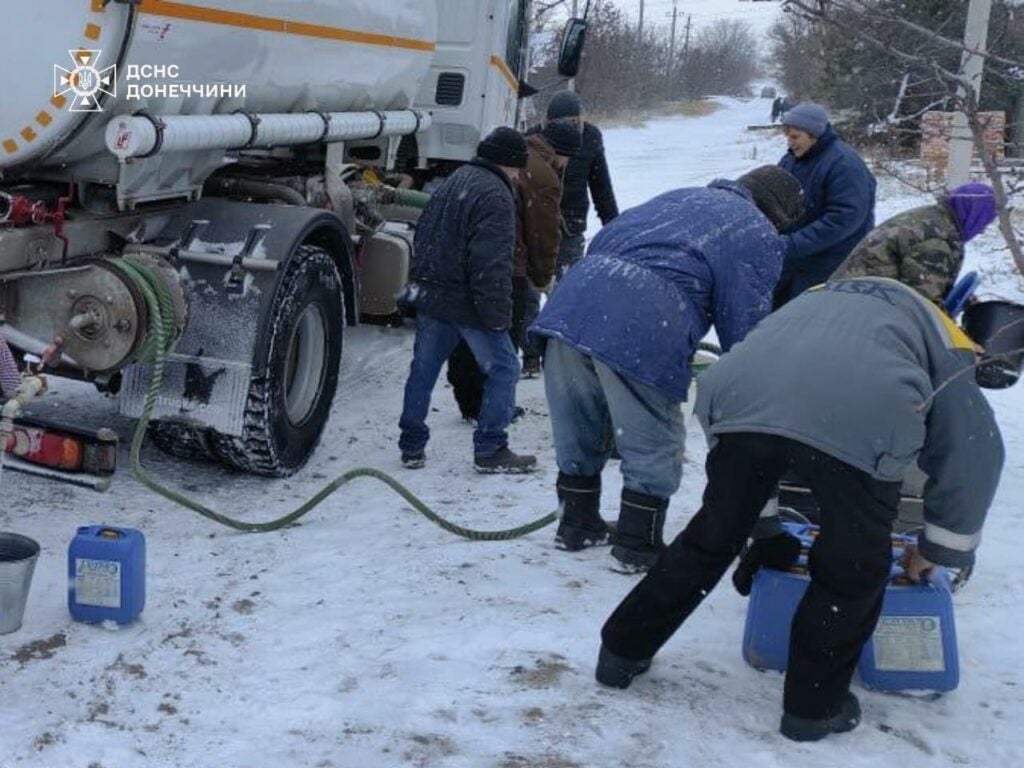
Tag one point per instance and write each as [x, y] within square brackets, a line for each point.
[531, 366]
[638, 536]
[806, 729]
[504, 461]
[414, 460]
[616, 671]
[581, 525]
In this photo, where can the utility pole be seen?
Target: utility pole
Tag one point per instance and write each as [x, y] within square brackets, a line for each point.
[686, 40]
[575, 12]
[640, 25]
[671, 69]
[972, 65]
[672, 42]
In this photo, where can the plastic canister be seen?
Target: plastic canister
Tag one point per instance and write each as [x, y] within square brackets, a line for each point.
[106, 574]
[914, 645]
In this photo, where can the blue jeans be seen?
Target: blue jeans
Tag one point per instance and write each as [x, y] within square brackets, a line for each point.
[435, 341]
[591, 405]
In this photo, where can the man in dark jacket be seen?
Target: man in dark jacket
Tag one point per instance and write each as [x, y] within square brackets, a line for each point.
[839, 195]
[849, 385]
[588, 170]
[460, 283]
[924, 247]
[621, 328]
[537, 239]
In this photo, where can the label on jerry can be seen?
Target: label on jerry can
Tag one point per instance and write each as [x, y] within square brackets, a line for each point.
[98, 582]
[909, 644]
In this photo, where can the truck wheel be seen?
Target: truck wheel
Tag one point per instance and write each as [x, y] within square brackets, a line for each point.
[292, 388]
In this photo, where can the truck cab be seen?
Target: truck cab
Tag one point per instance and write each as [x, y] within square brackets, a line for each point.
[473, 82]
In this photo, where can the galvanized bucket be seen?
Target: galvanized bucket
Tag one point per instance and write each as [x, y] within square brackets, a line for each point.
[18, 555]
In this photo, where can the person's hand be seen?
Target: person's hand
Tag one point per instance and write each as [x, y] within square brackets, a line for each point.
[779, 552]
[914, 564]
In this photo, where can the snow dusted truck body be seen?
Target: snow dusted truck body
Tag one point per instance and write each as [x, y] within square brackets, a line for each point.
[258, 161]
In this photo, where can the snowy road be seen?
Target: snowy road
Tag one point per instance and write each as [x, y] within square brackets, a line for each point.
[368, 637]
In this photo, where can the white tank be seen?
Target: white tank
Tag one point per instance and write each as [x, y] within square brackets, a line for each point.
[290, 56]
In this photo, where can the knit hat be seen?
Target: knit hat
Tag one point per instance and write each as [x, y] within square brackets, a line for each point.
[564, 137]
[808, 117]
[974, 206]
[564, 104]
[776, 193]
[503, 146]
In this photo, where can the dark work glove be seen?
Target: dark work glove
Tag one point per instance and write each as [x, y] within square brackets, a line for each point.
[778, 552]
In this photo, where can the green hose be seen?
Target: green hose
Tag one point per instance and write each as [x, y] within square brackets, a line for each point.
[411, 198]
[161, 320]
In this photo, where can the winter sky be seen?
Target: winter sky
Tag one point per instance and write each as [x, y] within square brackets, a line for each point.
[703, 12]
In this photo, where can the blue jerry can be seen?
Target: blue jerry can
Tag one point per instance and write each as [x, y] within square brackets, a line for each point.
[106, 574]
[913, 647]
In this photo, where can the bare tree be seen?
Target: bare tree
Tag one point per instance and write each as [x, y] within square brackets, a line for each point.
[542, 9]
[723, 60]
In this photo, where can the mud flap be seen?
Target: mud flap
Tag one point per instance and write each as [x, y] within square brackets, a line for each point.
[205, 391]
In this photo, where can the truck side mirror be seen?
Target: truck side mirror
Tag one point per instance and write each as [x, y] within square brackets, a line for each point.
[573, 37]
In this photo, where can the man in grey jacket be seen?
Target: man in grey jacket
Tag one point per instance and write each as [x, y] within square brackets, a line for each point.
[848, 385]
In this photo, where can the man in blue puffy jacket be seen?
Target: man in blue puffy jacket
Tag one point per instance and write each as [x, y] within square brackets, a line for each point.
[621, 328]
[839, 199]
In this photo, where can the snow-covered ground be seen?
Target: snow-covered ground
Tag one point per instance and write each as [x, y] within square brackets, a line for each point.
[366, 636]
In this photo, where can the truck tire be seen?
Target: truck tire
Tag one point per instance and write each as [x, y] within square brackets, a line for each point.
[292, 389]
[180, 440]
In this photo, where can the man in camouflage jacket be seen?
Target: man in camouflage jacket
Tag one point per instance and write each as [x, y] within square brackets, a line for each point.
[924, 247]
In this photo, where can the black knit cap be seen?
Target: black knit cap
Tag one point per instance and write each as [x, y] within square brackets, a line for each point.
[777, 193]
[564, 104]
[564, 137]
[503, 146]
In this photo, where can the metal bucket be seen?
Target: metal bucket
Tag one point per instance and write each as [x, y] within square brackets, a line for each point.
[18, 555]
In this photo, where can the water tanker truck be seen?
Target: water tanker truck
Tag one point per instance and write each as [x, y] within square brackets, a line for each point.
[254, 163]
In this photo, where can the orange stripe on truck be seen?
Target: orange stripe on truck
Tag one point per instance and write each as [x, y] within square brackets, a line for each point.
[268, 24]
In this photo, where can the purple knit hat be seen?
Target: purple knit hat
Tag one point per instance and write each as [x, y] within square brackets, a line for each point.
[974, 206]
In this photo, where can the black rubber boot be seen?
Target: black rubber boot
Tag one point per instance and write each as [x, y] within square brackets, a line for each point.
[805, 729]
[581, 525]
[616, 671]
[638, 536]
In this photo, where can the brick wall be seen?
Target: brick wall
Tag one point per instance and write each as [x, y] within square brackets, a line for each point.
[936, 129]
